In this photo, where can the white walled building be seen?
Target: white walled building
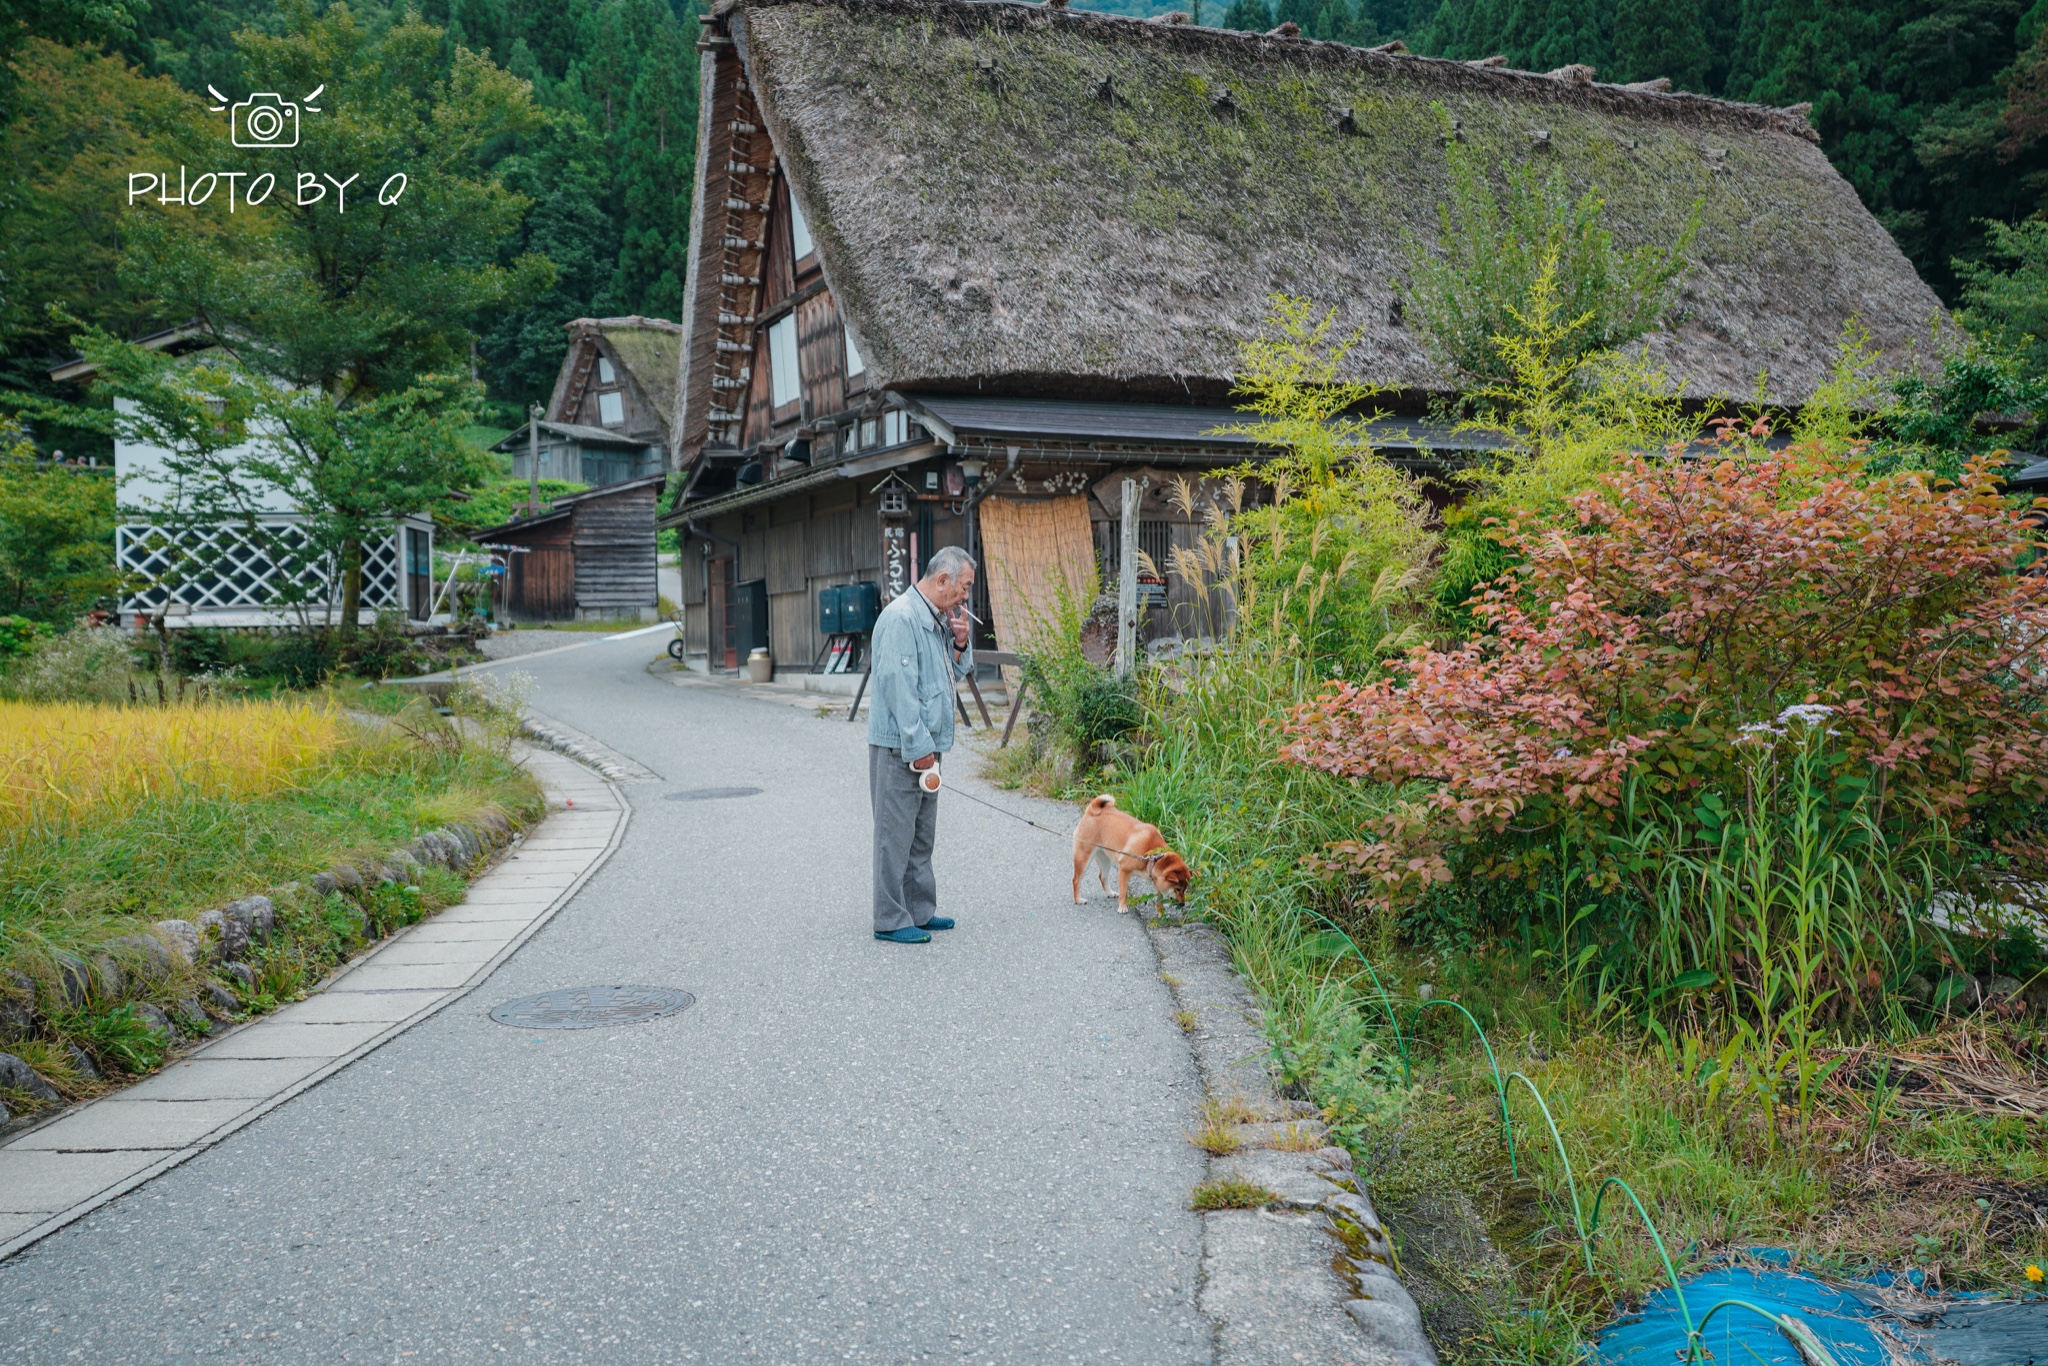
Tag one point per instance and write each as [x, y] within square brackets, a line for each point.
[220, 575]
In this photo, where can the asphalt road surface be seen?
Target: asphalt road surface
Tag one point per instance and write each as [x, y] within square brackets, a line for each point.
[973, 1150]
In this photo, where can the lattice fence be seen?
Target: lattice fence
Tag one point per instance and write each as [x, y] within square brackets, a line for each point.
[225, 566]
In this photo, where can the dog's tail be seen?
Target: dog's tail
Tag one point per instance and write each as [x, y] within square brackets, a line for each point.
[1101, 804]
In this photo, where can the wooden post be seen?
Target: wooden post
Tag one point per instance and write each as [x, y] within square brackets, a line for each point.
[533, 460]
[1127, 586]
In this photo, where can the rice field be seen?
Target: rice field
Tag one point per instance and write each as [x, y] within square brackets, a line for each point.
[66, 763]
[114, 817]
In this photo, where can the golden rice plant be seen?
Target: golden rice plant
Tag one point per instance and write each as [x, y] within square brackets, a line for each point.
[61, 762]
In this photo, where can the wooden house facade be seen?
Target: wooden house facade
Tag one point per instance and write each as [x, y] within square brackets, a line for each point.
[591, 557]
[608, 419]
[960, 268]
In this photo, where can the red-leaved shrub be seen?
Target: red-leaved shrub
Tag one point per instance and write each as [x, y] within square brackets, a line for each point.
[1680, 602]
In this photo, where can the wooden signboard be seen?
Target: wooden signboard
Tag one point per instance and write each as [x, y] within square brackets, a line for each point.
[897, 554]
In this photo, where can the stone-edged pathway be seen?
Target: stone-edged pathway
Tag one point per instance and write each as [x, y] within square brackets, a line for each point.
[1313, 1276]
[57, 1172]
[973, 1150]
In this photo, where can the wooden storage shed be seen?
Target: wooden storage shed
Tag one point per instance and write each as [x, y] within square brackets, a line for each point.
[590, 557]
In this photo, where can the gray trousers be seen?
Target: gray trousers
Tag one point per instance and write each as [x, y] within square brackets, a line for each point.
[906, 820]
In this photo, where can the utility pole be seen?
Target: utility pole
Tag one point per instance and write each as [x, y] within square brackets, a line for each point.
[533, 460]
[1127, 586]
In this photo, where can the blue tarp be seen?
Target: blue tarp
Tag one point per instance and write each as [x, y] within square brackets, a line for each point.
[1863, 1323]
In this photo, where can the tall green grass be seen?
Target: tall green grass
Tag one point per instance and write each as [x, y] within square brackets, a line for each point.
[1642, 1093]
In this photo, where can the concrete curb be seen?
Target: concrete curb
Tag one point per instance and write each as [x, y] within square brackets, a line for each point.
[56, 1173]
[563, 738]
[1312, 1277]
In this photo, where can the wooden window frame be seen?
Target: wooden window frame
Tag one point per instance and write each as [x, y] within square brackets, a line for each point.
[784, 327]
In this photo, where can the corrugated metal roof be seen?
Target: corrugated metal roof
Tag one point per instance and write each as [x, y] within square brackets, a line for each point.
[1158, 423]
[516, 441]
[562, 506]
[2032, 475]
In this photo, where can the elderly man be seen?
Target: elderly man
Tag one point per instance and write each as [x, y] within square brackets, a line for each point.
[919, 654]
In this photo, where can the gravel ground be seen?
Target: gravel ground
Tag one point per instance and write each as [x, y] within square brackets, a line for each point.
[972, 1150]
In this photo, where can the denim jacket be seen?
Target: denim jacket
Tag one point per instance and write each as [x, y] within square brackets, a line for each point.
[913, 677]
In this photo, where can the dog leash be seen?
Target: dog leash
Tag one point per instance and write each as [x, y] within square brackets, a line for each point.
[959, 792]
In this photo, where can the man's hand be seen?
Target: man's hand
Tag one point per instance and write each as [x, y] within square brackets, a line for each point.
[927, 762]
[959, 629]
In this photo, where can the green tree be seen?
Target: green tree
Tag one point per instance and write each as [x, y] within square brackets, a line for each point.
[1332, 563]
[193, 41]
[62, 21]
[1474, 288]
[349, 316]
[1537, 36]
[336, 290]
[1655, 38]
[356, 468]
[56, 534]
[96, 120]
[1248, 16]
[2005, 296]
[658, 158]
[562, 169]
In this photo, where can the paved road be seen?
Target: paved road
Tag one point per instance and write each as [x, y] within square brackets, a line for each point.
[846, 1151]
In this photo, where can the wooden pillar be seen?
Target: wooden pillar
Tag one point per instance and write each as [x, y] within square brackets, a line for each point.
[1127, 586]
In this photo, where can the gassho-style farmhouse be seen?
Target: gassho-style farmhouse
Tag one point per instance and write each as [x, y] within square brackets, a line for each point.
[959, 269]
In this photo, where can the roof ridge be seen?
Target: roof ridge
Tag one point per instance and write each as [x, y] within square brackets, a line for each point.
[1629, 97]
[628, 320]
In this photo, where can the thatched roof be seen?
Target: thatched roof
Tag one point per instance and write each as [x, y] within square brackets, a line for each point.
[649, 348]
[1010, 197]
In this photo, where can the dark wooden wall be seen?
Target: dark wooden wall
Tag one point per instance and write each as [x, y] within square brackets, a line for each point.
[800, 546]
[821, 337]
[540, 585]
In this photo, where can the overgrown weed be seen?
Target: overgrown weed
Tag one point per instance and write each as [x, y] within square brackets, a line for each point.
[1230, 1192]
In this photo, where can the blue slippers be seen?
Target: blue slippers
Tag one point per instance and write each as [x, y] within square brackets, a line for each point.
[909, 934]
[938, 922]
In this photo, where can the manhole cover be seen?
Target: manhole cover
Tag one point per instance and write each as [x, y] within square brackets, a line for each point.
[713, 794]
[592, 1007]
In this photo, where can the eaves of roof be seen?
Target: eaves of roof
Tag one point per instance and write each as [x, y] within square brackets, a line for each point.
[957, 417]
[600, 436]
[788, 485]
[486, 536]
[562, 506]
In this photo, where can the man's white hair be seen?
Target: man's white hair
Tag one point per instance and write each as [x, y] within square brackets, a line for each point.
[948, 560]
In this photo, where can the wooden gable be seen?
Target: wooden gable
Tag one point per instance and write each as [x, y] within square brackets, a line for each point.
[747, 278]
[794, 296]
[598, 390]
